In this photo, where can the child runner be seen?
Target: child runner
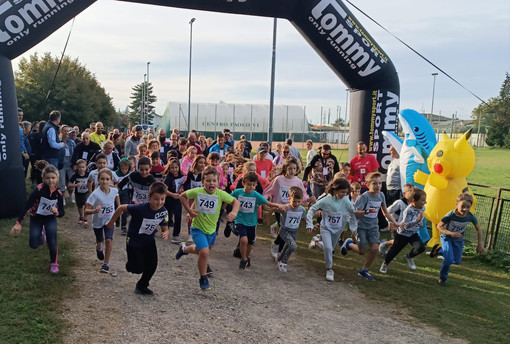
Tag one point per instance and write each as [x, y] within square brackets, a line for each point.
[213, 159]
[336, 210]
[101, 203]
[246, 220]
[188, 158]
[174, 180]
[139, 181]
[93, 181]
[79, 182]
[123, 171]
[289, 223]
[142, 254]
[367, 207]
[397, 211]
[193, 180]
[208, 202]
[452, 227]
[407, 234]
[156, 168]
[279, 192]
[46, 203]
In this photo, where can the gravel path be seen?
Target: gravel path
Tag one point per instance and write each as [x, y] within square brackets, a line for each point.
[260, 305]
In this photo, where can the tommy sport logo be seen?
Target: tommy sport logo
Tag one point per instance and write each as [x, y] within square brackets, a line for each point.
[328, 17]
[18, 16]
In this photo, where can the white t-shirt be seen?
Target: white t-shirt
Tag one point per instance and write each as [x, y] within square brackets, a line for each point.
[93, 177]
[107, 204]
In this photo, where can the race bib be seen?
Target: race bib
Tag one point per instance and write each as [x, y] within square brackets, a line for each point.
[84, 155]
[106, 211]
[333, 220]
[162, 149]
[109, 159]
[178, 183]
[284, 194]
[207, 204]
[149, 226]
[196, 184]
[247, 204]
[83, 188]
[292, 219]
[222, 153]
[325, 171]
[458, 227]
[45, 206]
[263, 174]
[140, 196]
[375, 205]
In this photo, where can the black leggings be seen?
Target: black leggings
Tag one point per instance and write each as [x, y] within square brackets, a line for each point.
[174, 206]
[142, 260]
[50, 225]
[400, 242]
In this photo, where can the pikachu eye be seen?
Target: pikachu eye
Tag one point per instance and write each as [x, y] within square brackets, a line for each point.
[439, 153]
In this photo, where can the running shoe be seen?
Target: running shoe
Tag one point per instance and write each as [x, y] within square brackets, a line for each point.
[410, 262]
[442, 282]
[382, 248]
[237, 253]
[384, 268]
[85, 222]
[274, 250]
[248, 263]
[364, 273]
[313, 242]
[123, 230]
[181, 252]
[209, 271]
[282, 267]
[190, 238]
[100, 254]
[105, 268]
[345, 247]
[330, 275]
[242, 264]
[204, 283]
[80, 221]
[228, 229]
[54, 268]
[176, 239]
[274, 230]
[143, 291]
[435, 250]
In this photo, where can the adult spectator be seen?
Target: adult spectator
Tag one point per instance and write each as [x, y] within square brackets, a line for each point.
[264, 166]
[281, 158]
[35, 143]
[241, 149]
[311, 152]
[66, 172]
[362, 164]
[249, 147]
[329, 163]
[192, 142]
[50, 142]
[133, 141]
[294, 151]
[165, 145]
[85, 149]
[26, 128]
[278, 150]
[24, 153]
[112, 157]
[220, 146]
[393, 184]
[98, 136]
[76, 130]
[74, 136]
[228, 137]
[92, 127]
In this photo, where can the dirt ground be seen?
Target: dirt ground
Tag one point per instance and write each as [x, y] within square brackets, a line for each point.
[260, 305]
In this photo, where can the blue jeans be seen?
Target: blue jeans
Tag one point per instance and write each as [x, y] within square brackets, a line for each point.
[452, 253]
[52, 161]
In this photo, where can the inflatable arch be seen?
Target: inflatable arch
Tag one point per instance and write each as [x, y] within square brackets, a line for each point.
[327, 25]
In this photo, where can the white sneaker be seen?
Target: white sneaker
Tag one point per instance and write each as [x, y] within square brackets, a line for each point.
[274, 230]
[384, 268]
[176, 240]
[274, 250]
[313, 242]
[282, 267]
[190, 238]
[320, 244]
[330, 275]
[382, 248]
[410, 262]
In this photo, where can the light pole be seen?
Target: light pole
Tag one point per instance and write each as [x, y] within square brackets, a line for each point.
[271, 94]
[189, 76]
[147, 91]
[142, 104]
[433, 92]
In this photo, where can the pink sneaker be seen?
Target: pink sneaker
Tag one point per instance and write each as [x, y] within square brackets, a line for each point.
[85, 222]
[54, 268]
[80, 221]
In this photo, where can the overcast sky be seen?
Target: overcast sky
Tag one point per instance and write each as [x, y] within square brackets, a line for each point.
[468, 39]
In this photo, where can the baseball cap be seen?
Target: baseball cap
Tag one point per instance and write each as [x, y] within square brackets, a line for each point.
[261, 150]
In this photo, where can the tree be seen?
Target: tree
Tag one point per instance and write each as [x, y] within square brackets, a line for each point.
[76, 93]
[339, 122]
[495, 115]
[143, 90]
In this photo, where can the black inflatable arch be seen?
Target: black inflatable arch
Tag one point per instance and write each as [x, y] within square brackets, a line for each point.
[327, 25]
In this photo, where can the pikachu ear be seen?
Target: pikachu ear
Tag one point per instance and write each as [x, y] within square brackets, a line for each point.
[463, 142]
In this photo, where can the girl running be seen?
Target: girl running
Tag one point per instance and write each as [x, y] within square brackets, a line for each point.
[174, 180]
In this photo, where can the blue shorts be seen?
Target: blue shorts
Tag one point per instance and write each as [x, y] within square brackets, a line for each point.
[246, 231]
[367, 236]
[201, 239]
[108, 233]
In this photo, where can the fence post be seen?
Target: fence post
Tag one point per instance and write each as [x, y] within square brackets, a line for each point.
[491, 237]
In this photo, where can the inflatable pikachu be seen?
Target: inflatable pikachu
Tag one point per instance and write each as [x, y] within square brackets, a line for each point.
[449, 163]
